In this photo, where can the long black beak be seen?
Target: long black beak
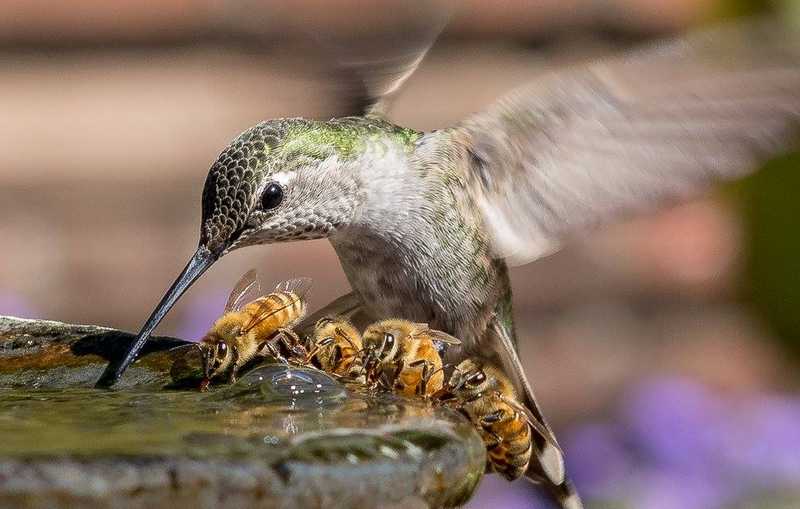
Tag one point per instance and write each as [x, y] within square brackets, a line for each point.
[200, 261]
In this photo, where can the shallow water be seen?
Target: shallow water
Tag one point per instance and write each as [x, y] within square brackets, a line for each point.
[280, 437]
[256, 416]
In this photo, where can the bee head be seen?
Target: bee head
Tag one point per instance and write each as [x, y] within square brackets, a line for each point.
[468, 379]
[217, 355]
[381, 345]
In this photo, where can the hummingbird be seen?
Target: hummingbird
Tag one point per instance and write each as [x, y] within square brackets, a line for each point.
[426, 224]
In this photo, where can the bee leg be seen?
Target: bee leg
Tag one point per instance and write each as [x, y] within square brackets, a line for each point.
[299, 354]
[269, 349]
[387, 380]
[336, 357]
[317, 347]
[393, 380]
[289, 333]
[383, 381]
[492, 441]
[234, 367]
[422, 386]
[341, 334]
[292, 342]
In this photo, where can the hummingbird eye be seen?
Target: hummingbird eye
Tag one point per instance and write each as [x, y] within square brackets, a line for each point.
[272, 197]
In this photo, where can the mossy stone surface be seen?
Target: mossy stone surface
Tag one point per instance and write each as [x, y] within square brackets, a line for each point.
[281, 437]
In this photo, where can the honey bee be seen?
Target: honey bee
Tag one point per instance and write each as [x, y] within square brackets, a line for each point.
[260, 326]
[405, 356]
[336, 347]
[509, 430]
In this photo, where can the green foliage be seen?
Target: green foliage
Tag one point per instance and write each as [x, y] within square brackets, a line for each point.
[747, 7]
[771, 205]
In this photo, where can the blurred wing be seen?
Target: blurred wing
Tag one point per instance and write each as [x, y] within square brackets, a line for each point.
[594, 144]
[376, 61]
[246, 290]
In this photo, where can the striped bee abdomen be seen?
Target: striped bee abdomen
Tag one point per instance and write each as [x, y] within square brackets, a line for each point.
[275, 311]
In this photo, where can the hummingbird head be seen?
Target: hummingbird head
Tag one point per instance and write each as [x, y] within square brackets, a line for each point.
[281, 180]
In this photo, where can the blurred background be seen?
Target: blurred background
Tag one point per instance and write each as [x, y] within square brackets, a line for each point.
[664, 350]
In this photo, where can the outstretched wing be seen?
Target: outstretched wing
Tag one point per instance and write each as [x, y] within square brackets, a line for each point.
[593, 144]
[247, 289]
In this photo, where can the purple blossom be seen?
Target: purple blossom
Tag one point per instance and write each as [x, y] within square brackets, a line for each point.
[496, 492]
[676, 424]
[766, 445]
[200, 314]
[660, 489]
[675, 444]
[13, 304]
[596, 458]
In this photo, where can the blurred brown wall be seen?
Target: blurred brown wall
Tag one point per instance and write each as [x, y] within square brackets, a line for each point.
[113, 112]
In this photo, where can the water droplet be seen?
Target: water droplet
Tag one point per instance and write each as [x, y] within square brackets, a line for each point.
[298, 386]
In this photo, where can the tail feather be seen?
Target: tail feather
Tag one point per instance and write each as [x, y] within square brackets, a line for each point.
[547, 465]
[564, 495]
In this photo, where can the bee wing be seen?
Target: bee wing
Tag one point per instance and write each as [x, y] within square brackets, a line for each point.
[437, 335]
[270, 305]
[247, 289]
[550, 457]
[519, 407]
[443, 337]
[441, 340]
[300, 286]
